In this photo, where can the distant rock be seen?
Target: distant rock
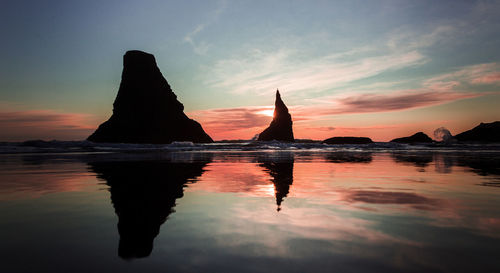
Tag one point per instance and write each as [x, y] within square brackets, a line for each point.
[146, 110]
[484, 132]
[348, 140]
[281, 126]
[416, 138]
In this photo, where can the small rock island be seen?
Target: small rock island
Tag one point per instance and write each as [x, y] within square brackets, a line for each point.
[348, 140]
[419, 137]
[281, 126]
[146, 110]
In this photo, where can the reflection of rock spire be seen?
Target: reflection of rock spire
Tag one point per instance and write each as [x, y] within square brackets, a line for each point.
[281, 126]
[282, 178]
[143, 194]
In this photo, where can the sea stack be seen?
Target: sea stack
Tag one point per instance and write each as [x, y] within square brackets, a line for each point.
[146, 110]
[281, 126]
[348, 140]
[419, 137]
[483, 133]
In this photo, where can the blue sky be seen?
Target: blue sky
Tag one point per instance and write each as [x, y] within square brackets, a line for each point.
[381, 69]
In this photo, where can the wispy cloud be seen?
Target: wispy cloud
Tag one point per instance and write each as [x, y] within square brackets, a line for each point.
[488, 73]
[202, 47]
[407, 38]
[396, 101]
[43, 124]
[260, 72]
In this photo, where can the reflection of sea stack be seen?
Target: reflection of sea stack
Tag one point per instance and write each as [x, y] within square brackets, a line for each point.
[349, 157]
[484, 132]
[416, 138]
[145, 109]
[282, 178]
[143, 194]
[421, 160]
[281, 126]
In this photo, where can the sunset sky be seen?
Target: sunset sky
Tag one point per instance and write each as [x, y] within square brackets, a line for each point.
[380, 69]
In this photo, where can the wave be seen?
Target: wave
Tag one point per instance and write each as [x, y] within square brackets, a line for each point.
[55, 146]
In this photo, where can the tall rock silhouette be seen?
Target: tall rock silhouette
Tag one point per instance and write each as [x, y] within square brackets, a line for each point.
[281, 126]
[146, 110]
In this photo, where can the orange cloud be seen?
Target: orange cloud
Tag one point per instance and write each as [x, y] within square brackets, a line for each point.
[233, 123]
[44, 124]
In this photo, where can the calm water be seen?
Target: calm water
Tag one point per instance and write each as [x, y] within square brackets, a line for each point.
[250, 212]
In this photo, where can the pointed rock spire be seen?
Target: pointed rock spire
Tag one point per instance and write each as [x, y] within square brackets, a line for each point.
[281, 126]
[146, 110]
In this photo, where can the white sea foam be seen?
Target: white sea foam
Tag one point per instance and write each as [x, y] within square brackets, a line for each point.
[39, 146]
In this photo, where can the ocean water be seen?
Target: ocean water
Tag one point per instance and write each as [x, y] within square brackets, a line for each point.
[77, 207]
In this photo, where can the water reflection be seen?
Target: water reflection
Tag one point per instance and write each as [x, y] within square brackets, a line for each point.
[281, 172]
[397, 211]
[417, 159]
[414, 200]
[483, 164]
[349, 157]
[143, 194]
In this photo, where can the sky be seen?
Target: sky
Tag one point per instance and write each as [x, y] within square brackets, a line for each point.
[379, 69]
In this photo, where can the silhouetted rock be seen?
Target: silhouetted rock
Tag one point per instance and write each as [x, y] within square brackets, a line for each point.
[143, 194]
[484, 132]
[145, 109]
[416, 138]
[281, 126]
[348, 140]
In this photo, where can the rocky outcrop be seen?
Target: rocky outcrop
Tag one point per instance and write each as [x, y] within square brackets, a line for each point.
[348, 140]
[146, 110]
[416, 138]
[484, 132]
[281, 126]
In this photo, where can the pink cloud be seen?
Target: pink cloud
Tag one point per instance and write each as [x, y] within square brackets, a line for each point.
[231, 123]
[398, 101]
[44, 124]
[370, 103]
[322, 128]
[487, 79]
[488, 73]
